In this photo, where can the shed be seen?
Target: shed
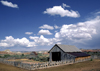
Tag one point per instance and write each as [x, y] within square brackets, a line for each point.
[66, 52]
[33, 55]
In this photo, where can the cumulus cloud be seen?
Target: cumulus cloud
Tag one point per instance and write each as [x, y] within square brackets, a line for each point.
[9, 4]
[4, 45]
[59, 10]
[44, 32]
[56, 27]
[80, 31]
[40, 40]
[28, 33]
[45, 26]
[71, 34]
[44, 41]
[10, 42]
[64, 5]
[82, 34]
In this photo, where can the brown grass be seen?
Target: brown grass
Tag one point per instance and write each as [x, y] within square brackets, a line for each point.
[4, 67]
[25, 60]
[83, 66]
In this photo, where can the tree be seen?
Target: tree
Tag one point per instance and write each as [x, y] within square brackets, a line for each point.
[22, 54]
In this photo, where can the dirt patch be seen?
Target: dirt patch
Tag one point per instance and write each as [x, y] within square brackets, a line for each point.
[18, 59]
[97, 60]
[32, 62]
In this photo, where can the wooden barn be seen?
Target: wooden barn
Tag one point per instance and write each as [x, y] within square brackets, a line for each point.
[61, 52]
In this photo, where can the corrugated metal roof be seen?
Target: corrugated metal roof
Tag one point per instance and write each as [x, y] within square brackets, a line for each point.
[78, 54]
[69, 48]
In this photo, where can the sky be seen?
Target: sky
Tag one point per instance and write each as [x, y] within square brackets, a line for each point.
[32, 25]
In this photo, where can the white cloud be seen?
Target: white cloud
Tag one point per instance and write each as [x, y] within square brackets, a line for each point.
[47, 27]
[58, 10]
[4, 45]
[80, 31]
[44, 41]
[98, 12]
[68, 34]
[64, 5]
[40, 40]
[10, 42]
[9, 4]
[56, 27]
[34, 38]
[44, 32]
[28, 33]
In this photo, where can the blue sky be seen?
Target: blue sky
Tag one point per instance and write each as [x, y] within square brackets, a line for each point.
[28, 25]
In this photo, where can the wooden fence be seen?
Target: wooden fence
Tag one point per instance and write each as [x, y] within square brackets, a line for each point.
[34, 66]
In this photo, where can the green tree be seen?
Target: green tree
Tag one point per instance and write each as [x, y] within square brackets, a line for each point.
[22, 54]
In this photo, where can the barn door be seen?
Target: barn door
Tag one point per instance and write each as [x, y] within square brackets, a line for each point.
[56, 56]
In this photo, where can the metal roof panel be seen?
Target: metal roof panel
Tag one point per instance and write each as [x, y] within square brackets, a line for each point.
[69, 48]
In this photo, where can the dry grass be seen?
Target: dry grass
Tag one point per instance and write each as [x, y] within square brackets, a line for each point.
[17, 59]
[4, 67]
[83, 66]
[25, 60]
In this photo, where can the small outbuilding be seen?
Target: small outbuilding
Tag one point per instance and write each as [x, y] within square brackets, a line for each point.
[33, 55]
[61, 52]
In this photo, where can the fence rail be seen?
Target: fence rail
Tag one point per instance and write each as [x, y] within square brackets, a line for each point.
[34, 66]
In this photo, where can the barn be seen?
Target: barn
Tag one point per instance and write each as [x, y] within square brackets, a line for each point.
[61, 52]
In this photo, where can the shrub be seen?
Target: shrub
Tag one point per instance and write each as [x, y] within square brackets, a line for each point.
[7, 55]
[39, 54]
[41, 59]
[22, 54]
[44, 59]
[91, 59]
[0, 56]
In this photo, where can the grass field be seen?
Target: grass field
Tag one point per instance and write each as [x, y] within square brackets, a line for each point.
[83, 66]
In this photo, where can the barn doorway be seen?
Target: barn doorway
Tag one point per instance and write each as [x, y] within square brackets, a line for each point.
[56, 56]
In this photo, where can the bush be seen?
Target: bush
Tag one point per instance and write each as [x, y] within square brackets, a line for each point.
[17, 56]
[7, 55]
[0, 56]
[39, 54]
[91, 59]
[22, 54]
[44, 59]
[41, 59]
